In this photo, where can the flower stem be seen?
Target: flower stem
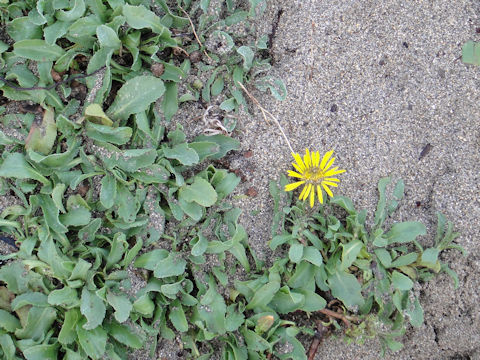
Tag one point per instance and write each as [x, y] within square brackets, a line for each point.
[267, 114]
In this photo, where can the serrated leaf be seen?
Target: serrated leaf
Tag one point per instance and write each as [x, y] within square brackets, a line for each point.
[93, 308]
[135, 96]
[201, 192]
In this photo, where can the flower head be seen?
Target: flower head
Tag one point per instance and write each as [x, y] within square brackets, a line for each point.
[314, 174]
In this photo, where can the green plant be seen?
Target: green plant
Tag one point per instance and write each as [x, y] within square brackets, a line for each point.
[369, 275]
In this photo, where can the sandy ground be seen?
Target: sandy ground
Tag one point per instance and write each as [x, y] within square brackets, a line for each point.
[378, 80]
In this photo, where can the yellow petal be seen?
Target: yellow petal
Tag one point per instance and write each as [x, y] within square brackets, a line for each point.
[294, 174]
[298, 168]
[325, 159]
[333, 171]
[312, 198]
[330, 183]
[299, 161]
[307, 160]
[319, 193]
[317, 159]
[290, 187]
[307, 192]
[329, 192]
[304, 190]
[332, 179]
[330, 163]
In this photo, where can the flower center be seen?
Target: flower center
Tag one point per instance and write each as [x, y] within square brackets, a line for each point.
[314, 174]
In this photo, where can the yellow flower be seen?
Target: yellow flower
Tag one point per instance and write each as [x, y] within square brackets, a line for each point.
[315, 174]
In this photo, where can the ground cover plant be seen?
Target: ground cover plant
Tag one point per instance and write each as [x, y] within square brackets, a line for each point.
[121, 229]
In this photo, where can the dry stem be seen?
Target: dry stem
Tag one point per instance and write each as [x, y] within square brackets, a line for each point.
[267, 114]
[195, 33]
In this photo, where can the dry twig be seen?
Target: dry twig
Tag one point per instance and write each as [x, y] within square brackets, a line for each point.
[266, 115]
[320, 334]
[195, 33]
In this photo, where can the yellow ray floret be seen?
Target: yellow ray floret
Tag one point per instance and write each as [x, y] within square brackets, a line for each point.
[315, 175]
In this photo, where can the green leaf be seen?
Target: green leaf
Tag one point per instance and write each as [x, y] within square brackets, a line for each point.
[130, 160]
[177, 316]
[73, 14]
[312, 255]
[37, 50]
[135, 96]
[471, 53]
[384, 257]
[226, 144]
[93, 308]
[415, 313]
[144, 306]
[93, 342]
[107, 37]
[183, 153]
[94, 112]
[380, 213]
[264, 295]
[201, 192]
[39, 321]
[405, 260]
[172, 265]
[138, 17]
[127, 204]
[55, 31]
[118, 136]
[22, 28]
[276, 87]
[8, 322]
[313, 301]
[108, 191]
[68, 333]
[254, 341]
[65, 297]
[150, 259]
[286, 301]
[42, 352]
[296, 252]
[15, 166]
[401, 282]
[217, 86]
[405, 232]
[212, 310]
[170, 100]
[133, 338]
[346, 288]
[350, 253]
[50, 212]
[30, 298]
[247, 53]
[8, 347]
[303, 275]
